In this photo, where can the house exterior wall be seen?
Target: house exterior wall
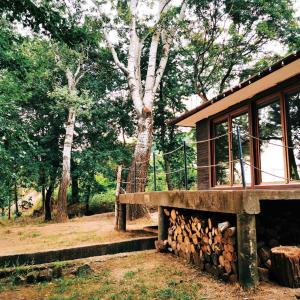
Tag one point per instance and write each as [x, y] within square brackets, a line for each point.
[202, 133]
[205, 152]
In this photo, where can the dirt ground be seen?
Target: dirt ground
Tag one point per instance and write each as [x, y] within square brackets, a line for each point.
[24, 237]
[141, 275]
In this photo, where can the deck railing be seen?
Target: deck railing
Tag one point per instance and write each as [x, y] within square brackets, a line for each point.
[184, 168]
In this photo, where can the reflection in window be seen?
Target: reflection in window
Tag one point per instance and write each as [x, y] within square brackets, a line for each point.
[222, 154]
[243, 122]
[293, 133]
[270, 133]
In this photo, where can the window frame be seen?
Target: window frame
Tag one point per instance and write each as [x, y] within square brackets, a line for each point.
[251, 107]
[259, 104]
[283, 94]
[228, 118]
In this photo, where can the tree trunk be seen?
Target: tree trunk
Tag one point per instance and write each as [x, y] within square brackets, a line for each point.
[43, 196]
[42, 182]
[141, 161]
[62, 201]
[16, 201]
[75, 189]
[9, 209]
[285, 265]
[87, 200]
[49, 193]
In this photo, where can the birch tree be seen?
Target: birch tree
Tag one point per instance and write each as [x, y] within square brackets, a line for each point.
[143, 85]
[69, 96]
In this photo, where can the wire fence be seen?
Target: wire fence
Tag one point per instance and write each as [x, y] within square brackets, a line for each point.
[155, 168]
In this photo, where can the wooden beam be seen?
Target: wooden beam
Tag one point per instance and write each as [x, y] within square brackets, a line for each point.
[247, 253]
[217, 201]
[224, 201]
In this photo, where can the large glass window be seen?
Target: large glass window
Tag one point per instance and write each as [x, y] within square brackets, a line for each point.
[222, 154]
[275, 146]
[241, 121]
[292, 104]
[271, 142]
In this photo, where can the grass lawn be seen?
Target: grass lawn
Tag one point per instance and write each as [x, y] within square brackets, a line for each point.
[144, 275]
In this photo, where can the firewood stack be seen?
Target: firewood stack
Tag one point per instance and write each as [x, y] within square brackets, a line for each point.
[210, 246]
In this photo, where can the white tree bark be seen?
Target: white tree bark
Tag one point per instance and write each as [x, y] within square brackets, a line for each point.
[62, 201]
[143, 95]
[62, 211]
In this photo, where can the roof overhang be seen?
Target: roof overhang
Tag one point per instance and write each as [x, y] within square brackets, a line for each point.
[242, 92]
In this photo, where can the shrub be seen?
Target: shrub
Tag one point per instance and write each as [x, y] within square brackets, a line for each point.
[103, 202]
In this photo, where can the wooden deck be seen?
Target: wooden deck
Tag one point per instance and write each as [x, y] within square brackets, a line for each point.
[244, 203]
[225, 201]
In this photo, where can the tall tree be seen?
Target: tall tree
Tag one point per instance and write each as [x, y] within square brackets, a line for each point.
[74, 71]
[143, 83]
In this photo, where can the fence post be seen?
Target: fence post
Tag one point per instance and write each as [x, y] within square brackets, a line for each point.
[118, 191]
[135, 177]
[185, 166]
[154, 171]
[241, 156]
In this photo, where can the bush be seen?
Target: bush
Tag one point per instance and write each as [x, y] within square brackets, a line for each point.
[103, 202]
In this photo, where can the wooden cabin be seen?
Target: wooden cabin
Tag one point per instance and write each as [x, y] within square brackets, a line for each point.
[266, 107]
[266, 110]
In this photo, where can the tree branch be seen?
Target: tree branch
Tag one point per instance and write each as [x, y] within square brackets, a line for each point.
[167, 41]
[150, 77]
[115, 55]
[133, 51]
[163, 61]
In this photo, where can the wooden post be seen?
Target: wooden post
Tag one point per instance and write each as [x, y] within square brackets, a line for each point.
[122, 217]
[185, 166]
[154, 171]
[118, 190]
[247, 253]
[162, 224]
[134, 182]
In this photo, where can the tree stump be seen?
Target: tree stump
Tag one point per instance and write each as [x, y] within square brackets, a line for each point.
[285, 265]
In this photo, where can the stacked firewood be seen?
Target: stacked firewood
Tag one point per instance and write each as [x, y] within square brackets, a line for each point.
[209, 245]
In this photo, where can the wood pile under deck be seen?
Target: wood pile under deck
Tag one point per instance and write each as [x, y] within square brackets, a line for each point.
[245, 204]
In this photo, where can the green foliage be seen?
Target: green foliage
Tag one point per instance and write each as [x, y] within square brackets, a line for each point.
[34, 99]
[64, 99]
[103, 202]
[52, 18]
[235, 33]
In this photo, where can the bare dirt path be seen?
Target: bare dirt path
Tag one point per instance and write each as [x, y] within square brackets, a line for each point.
[25, 238]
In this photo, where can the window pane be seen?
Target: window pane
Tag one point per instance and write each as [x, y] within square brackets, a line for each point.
[293, 133]
[222, 154]
[270, 133]
[243, 122]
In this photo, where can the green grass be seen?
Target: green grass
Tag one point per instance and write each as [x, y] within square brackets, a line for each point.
[62, 285]
[116, 280]
[129, 275]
